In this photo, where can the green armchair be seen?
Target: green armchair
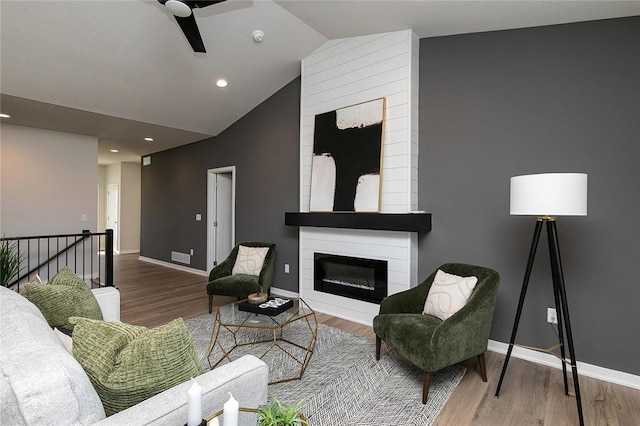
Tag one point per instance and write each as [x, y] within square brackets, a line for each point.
[430, 343]
[222, 282]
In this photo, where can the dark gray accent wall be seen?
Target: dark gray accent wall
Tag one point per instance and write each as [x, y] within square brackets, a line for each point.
[552, 99]
[264, 146]
[492, 105]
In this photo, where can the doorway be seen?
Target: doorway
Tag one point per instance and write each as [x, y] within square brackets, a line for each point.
[113, 212]
[221, 200]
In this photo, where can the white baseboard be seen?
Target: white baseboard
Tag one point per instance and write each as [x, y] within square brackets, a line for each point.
[274, 290]
[584, 369]
[284, 293]
[129, 251]
[344, 317]
[174, 266]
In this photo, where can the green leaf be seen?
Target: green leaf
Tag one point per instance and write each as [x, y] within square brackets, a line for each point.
[274, 413]
[10, 259]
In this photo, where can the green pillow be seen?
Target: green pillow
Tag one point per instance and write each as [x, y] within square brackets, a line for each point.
[66, 295]
[128, 364]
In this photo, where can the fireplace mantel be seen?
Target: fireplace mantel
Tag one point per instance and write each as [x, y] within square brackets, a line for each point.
[412, 222]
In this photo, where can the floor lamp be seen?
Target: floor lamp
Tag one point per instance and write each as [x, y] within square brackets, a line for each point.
[547, 196]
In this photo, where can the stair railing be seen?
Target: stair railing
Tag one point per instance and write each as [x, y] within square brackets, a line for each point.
[88, 254]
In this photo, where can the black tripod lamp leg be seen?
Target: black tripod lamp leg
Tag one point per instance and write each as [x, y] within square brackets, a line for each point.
[556, 266]
[559, 316]
[523, 293]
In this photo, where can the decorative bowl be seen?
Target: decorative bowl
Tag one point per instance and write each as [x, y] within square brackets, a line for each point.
[257, 298]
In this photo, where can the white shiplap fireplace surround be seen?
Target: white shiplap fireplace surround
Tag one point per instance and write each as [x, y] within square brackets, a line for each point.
[347, 72]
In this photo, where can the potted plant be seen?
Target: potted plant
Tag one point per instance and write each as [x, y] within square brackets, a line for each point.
[277, 414]
[9, 261]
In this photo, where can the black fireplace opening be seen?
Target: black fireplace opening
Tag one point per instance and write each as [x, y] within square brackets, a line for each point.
[353, 277]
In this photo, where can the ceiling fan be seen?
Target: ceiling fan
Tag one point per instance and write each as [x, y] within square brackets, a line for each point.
[183, 11]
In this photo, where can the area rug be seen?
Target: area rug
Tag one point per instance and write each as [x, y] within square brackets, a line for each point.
[343, 383]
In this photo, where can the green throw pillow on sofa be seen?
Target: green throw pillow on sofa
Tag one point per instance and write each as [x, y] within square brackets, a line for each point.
[128, 364]
[66, 295]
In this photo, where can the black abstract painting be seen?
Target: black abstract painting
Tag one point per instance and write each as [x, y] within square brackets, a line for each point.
[347, 158]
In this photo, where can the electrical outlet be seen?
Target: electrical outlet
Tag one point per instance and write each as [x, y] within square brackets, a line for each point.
[191, 252]
[552, 316]
[286, 268]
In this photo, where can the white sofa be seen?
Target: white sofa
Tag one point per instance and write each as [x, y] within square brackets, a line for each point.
[42, 384]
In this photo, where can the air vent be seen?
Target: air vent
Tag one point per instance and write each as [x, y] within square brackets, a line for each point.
[181, 257]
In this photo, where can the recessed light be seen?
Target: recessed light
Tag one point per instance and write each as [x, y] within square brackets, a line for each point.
[5, 116]
[221, 83]
[114, 150]
[148, 139]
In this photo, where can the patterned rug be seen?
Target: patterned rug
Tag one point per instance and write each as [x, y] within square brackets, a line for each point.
[343, 383]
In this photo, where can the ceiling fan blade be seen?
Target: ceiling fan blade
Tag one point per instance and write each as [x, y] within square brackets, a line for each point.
[190, 29]
[188, 23]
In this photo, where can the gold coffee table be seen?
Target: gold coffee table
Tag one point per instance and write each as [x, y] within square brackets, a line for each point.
[288, 337]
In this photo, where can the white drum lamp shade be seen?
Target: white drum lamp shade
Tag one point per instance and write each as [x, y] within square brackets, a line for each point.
[549, 194]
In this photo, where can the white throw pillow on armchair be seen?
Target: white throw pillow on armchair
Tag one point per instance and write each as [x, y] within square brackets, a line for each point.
[448, 294]
[249, 260]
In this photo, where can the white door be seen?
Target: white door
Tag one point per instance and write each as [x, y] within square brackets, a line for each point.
[220, 215]
[112, 213]
[223, 216]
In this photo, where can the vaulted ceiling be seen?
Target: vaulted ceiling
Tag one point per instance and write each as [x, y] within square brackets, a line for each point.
[123, 70]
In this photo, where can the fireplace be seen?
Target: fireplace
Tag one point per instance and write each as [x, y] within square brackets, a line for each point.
[353, 277]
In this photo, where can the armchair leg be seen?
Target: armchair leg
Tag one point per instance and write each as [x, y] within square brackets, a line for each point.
[210, 303]
[483, 367]
[425, 387]
[378, 344]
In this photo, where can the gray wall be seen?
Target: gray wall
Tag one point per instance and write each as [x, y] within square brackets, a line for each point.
[552, 99]
[492, 105]
[264, 147]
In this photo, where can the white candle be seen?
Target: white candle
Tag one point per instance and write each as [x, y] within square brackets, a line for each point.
[194, 404]
[231, 408]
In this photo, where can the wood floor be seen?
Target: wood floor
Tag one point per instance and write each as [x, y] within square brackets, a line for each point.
[531, 394]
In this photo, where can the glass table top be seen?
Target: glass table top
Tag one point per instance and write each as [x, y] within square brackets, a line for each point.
[231, 315]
